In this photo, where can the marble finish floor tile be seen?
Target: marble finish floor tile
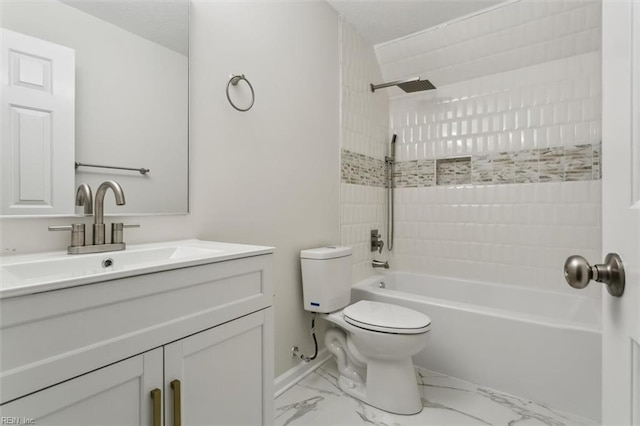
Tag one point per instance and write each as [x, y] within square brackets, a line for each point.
[317, 400]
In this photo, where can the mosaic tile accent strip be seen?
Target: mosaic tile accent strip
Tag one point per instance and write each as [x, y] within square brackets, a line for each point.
[452, 171]
[556, 164]
[405, 174]
[362, 169]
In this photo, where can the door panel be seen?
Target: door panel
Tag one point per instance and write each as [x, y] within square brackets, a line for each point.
[620, 210]
[118, 394]
[221, 374]
[636, 384]
[38, 119]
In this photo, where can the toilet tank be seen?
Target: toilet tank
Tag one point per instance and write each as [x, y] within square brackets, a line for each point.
[326, 278]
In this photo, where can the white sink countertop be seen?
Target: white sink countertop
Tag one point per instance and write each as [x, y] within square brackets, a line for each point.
[35, 273]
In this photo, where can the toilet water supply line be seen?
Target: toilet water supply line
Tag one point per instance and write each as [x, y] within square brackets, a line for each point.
[295, 351]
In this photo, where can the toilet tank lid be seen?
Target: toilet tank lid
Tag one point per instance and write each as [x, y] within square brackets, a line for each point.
[330, 252]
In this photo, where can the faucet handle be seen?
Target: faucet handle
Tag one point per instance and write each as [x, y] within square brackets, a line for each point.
[376, 242]
[77, 233]
[117, 232]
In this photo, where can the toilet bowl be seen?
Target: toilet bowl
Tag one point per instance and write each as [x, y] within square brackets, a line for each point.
[374, 357]
[373, 342]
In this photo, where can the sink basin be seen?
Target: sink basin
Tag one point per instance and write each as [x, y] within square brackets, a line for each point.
[30, 274]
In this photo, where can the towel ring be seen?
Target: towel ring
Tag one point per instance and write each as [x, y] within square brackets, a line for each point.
[235, 79]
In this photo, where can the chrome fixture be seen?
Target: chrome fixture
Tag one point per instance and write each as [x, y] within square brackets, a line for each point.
[409, 85]
[390, 163]
[380, 264]
[117, 233]
[233, 81]
[78, 241]
[77, 234]
[84, 198]
[578, 273]
[140, 170]
[376, 242]
[98, 222]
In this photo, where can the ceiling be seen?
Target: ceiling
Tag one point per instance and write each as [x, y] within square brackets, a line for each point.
[165, 22]
[383, 20]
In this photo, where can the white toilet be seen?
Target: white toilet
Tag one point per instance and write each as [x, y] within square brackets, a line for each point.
[373, 342]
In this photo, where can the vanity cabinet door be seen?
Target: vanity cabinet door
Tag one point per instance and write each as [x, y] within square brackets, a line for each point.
[225, 374]
[119, 394]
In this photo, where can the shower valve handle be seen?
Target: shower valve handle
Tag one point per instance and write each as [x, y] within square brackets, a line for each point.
[579, 273]
[376, 242]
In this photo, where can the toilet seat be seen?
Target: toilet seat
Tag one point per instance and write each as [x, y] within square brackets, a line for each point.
[386, 318]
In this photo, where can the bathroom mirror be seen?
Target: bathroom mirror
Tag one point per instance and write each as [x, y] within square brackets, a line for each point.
[130, 102]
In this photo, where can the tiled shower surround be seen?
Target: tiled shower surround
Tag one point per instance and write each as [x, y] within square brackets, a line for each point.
[498, 169]
[364, 139]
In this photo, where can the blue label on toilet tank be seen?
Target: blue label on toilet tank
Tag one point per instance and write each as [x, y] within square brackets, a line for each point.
[315, 304]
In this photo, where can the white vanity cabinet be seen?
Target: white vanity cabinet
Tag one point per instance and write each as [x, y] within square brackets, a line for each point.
[118, 394]
[221, 375]
[201, 336]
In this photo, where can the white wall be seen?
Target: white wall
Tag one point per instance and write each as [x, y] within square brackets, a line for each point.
[268, 176]
[131, 104]
[518, 91]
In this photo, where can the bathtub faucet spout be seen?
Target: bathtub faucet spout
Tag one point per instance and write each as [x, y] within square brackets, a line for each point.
[380, 264]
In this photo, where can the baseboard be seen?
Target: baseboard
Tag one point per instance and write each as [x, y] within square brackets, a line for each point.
[289, 378]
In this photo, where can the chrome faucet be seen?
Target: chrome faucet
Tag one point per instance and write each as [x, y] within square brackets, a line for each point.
[84, 198]
[98, 224]
[380, 264]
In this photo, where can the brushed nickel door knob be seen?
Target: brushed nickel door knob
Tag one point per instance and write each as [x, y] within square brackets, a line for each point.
[579, 273]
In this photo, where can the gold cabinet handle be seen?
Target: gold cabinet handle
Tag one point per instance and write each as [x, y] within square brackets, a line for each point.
[156, 414]
[177, 410]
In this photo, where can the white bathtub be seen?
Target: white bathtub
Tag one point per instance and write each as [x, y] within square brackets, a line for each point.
[534, 344]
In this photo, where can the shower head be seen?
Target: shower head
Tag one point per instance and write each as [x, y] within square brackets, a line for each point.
[392, 150]
[409, 86]
[416, 86]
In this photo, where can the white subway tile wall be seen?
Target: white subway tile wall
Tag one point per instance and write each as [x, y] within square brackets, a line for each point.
[363, 209]
[512, 234]
[554, 104]
[518, 88]
[364, 143]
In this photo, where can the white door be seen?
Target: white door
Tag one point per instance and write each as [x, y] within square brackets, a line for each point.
[119, 394]
[219, 376]
[38, 134]
[621, 208]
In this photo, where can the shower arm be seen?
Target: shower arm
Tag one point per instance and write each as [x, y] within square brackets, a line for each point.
[375, 87]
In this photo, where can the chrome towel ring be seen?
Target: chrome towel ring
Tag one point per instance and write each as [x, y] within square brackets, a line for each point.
[234, 80]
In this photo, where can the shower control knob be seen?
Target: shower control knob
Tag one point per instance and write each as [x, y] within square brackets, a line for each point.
[579, 273]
